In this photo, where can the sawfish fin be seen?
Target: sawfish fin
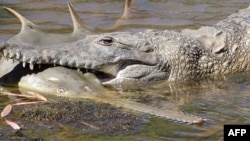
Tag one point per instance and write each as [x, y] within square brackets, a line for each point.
[78, 23]
[126, 14]
[126, 10]
[26, 24]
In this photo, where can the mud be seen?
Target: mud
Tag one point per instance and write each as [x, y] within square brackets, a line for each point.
[85, 116]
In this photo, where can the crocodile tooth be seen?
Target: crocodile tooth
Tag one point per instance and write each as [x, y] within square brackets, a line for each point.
[24, 64]
[18, 55]
[39, 66]
[32, 60]
[24, 59]
[5, 53]
[11, 55]
[13, 60]
[47, 59]
[38, 61]
[87, 64]
[62, 62]
[78, 69]
[79, 63]
[54, 62]
[72, 63]
[31, 66]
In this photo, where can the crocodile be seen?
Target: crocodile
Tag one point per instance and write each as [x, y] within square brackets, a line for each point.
[152, 55]
[64, 81]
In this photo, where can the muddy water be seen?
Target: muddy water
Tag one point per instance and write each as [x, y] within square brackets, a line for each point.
[221, 102]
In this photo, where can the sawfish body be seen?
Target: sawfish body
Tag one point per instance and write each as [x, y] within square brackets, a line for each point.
[71, 83]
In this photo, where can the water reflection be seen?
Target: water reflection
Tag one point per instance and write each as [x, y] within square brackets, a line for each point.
[222, 102]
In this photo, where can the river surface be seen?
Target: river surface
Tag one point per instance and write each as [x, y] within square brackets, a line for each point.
[220, 102]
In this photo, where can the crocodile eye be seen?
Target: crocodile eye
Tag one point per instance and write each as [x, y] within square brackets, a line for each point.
[106, 41]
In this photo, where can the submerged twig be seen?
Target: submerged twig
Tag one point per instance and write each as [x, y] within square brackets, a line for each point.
[7, 109]
[90, 125]
[34, 97]
[13, 124]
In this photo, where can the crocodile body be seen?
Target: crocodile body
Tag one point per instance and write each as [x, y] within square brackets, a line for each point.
[151, 55]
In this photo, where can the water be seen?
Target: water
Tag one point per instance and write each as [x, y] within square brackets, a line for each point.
[221, 102]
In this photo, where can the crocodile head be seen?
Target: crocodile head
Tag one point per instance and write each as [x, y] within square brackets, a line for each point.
[147, 56]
